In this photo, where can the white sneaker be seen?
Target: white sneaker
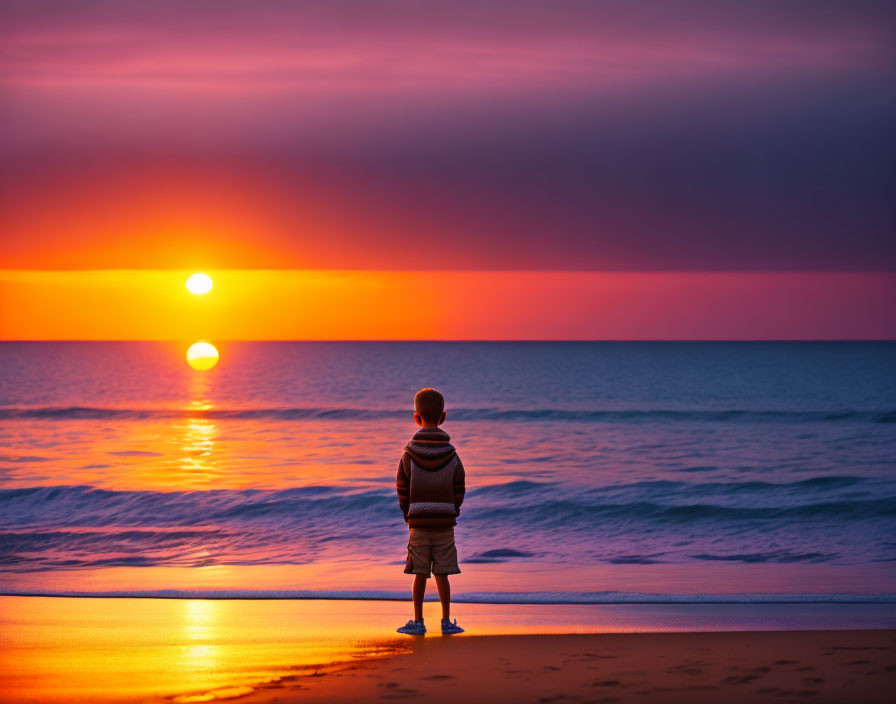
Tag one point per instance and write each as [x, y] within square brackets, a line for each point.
[413, 628]
[449, 629]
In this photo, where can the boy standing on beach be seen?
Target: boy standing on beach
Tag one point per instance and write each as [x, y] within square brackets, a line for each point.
[431, 487]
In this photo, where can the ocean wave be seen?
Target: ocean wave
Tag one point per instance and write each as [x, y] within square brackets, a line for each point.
[70, 527]
[457, 414]
[841, 497]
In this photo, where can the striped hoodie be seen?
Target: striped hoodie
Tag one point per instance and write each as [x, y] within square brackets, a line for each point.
[430, 480]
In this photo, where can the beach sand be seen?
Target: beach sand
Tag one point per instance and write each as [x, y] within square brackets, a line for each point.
[198, 650]
[793, 666]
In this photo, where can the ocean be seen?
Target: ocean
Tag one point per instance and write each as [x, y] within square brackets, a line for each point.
[596, 472]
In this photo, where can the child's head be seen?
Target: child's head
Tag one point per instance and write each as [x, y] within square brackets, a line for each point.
[429, 408]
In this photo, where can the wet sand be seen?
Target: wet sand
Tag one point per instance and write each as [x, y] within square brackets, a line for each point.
[197, 650]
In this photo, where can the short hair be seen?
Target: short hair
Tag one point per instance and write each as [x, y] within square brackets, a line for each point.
[430, 404]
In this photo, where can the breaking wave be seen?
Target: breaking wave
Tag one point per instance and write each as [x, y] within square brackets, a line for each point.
[65, 527]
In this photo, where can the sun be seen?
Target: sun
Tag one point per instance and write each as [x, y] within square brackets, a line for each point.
[202, 355]
[199, 284]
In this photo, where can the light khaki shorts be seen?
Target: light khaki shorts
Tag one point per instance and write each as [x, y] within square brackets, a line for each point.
[432, 550]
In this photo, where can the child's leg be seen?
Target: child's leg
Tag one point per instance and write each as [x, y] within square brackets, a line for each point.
[418, 591]
[444, 594]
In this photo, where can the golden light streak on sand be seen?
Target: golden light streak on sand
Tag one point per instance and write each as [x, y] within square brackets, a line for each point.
[124, 650]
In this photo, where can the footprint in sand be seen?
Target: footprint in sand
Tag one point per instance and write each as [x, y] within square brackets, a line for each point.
[394, 691]
[686, 668]
[740, 679]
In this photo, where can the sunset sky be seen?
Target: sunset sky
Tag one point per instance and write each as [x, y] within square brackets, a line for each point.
[700, 170]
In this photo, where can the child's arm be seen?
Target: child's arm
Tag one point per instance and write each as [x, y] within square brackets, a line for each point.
[460, 485]
[403, 486]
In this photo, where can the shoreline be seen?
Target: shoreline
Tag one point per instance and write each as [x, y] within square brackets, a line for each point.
[496, 598]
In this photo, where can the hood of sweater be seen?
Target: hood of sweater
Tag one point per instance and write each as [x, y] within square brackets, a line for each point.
[430, 449]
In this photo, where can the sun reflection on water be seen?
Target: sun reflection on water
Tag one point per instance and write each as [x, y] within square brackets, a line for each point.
[197, 435]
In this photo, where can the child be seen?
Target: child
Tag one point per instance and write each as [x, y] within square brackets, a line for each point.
[430, 485]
